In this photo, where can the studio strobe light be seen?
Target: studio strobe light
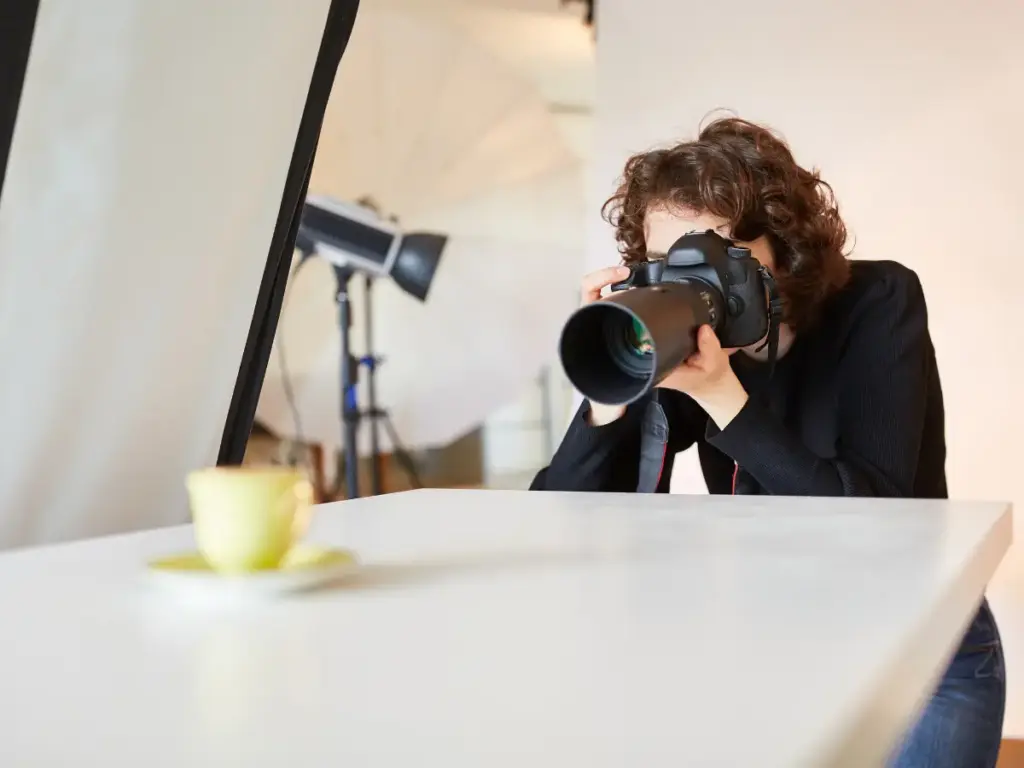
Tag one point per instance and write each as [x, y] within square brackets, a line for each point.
[355, 239]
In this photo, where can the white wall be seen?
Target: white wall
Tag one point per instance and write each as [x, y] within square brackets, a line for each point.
[555, 52]
[913, 112]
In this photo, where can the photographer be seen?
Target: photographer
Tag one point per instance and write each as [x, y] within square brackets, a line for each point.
[850, 406]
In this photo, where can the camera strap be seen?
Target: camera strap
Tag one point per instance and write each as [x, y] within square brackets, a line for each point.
[774, 319]
[653, 446]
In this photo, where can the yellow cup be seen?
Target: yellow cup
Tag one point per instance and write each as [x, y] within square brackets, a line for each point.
[247, 518]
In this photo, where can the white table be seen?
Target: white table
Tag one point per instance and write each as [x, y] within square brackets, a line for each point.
[509, 629]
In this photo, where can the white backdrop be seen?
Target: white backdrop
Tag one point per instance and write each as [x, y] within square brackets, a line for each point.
[913, 112]
[450, 139]
[146, 173]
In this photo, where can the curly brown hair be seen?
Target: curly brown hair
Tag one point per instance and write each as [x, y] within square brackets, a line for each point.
[745, 174]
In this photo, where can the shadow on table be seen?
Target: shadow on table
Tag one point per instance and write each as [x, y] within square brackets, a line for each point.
[396, 575]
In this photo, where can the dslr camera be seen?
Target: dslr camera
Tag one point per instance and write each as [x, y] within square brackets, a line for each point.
[617, 349]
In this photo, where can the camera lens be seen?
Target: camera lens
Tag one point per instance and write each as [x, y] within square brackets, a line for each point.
[614, 350]
[628, 343]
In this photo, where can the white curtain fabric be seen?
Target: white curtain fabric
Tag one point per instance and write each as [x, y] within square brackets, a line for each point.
[147, 167]
[445, 137]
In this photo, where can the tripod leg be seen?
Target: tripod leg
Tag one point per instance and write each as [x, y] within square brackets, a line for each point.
[400, 453]
[376, 471]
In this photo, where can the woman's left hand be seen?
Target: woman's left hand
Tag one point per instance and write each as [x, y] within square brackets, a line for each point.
[707, 377]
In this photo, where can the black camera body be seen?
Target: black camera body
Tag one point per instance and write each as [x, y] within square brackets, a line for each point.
[725, 275]
[617, 349]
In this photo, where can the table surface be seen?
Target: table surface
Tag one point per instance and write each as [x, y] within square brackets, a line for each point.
[508, 629]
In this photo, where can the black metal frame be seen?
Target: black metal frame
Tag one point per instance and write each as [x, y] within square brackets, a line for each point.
[16, 31]
[267, 311]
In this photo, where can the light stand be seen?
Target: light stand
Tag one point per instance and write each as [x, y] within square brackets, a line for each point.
[349, 379]
[351, 414]
[354, 238]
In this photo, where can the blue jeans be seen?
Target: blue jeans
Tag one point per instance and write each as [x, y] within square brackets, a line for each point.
[962, 725]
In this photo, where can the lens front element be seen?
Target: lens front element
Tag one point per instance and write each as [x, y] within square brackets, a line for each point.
[639, 339]
[628, 344]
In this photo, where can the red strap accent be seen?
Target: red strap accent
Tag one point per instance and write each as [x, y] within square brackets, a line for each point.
[664, 453]
[735, 472]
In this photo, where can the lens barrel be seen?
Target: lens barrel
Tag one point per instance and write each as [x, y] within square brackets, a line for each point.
[617, 349]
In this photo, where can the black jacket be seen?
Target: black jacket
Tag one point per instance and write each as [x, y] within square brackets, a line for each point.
[854, 409]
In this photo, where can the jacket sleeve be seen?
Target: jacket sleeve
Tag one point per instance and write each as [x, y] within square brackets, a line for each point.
[883, 376]
[607, 458]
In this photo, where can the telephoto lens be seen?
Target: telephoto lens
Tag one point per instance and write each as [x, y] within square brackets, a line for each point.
[617, 349]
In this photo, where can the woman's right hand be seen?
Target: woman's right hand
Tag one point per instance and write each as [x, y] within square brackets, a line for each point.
[597, 281]
[592, 286]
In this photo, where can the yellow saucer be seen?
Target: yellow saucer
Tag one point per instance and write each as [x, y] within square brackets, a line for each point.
[304, 567]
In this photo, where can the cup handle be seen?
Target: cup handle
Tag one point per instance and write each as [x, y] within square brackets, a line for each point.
[301, 495]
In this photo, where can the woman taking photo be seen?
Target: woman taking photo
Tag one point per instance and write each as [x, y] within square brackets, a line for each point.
[852, 407]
